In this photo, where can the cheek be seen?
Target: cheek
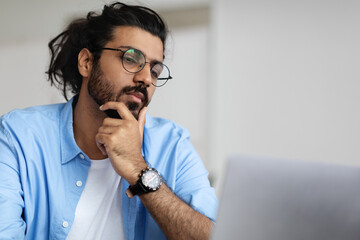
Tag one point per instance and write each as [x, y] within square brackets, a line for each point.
[113, 72]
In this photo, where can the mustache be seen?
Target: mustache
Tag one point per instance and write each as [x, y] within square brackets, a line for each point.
[140, 88]
[114, 114]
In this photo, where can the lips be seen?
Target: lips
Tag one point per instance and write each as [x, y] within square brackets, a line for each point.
[136, 96]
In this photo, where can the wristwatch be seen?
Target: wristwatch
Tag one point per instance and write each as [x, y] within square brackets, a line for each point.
[149, 181]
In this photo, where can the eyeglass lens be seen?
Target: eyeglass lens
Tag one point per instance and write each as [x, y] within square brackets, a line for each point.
[134, 61]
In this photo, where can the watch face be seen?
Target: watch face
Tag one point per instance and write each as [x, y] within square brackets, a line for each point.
[151, 179]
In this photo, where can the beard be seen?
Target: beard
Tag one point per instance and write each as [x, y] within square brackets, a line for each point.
[102, 91]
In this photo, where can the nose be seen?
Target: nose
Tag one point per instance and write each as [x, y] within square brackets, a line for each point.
[144, 76]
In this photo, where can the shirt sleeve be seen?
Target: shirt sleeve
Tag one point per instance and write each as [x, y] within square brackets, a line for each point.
[12, 225]
[192, 183]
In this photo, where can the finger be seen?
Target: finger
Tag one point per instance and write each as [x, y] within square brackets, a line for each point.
[120, 107]
[103, 149]
[108, 129]
[142, 120]
[111, 122]
[100, 144]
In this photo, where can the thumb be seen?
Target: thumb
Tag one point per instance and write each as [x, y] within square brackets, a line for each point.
[141, 120]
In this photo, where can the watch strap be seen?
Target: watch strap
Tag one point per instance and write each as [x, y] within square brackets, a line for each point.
[138, 188]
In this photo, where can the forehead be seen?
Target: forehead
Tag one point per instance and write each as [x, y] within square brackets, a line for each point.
[138, 38]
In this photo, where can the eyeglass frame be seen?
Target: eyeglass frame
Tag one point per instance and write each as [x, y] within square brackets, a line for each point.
[122, 63]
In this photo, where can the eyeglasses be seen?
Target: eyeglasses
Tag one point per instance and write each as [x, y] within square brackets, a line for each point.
[134, 61]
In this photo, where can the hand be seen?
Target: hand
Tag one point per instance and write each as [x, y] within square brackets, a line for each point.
[121, 141]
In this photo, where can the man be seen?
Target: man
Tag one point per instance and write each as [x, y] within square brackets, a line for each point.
[72, 171]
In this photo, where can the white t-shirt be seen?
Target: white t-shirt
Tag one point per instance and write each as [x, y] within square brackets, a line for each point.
[98, 213]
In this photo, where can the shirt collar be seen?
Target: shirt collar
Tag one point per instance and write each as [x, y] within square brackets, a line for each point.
[69, 148]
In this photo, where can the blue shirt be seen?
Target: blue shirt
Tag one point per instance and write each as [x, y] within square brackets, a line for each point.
[41, 166]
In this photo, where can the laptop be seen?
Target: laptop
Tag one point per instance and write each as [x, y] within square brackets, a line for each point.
[281, 199]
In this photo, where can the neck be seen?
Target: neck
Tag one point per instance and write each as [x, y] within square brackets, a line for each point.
[87, 120]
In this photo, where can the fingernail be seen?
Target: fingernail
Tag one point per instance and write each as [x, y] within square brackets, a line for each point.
[101, 107]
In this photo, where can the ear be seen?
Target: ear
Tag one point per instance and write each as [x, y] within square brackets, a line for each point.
[85, 60]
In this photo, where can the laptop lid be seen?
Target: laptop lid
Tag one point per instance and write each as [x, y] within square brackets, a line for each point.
[280, 199]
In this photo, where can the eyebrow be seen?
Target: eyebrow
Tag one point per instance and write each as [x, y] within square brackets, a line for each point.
[152, 61]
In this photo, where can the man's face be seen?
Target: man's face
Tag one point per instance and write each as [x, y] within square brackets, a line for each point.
[109, 81]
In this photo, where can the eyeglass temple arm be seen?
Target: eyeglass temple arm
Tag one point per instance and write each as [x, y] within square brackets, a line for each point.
[170, 77]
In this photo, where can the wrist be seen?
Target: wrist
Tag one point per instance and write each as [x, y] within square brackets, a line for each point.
[129, 167]
[135, 173]
[149, 181]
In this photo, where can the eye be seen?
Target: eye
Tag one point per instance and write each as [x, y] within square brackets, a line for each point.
[129, 59]
[154, 74]
[156, 70]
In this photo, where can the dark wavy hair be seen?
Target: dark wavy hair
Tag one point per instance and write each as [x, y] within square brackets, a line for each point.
[93, 32]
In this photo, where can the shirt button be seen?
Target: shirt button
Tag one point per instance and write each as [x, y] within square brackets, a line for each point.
[82, 156]
[65, 224]
[79, 183]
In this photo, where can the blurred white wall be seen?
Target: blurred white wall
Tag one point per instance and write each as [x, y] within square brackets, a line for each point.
[285, 79]
[274, 77]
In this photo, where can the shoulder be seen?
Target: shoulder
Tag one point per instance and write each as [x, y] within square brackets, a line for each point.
[22, 119]
[164, 127]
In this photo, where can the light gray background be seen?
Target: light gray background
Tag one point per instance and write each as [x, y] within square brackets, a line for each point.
[276, 78]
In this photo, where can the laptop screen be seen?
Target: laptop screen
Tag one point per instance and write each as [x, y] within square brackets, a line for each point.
[281, 199]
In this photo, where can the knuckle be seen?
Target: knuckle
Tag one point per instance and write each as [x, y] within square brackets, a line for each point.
[112, 138]
[106, 121]
[118, 131]
[99, 138]
[129, 125]
[101, 129]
